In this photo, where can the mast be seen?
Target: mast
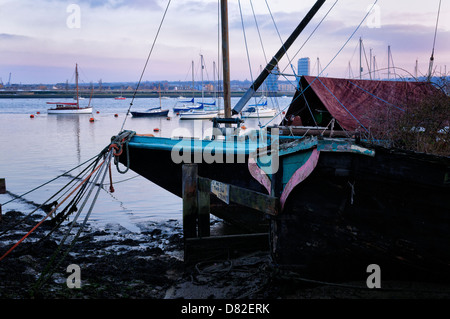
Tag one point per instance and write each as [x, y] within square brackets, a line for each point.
[193, 84]
[389, 62]
[76, 82]
[257, 83]
[201, 62]
[214, 80]
[226, 59]
[360, 59]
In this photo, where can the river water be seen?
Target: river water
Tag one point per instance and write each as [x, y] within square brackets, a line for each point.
[35, 150]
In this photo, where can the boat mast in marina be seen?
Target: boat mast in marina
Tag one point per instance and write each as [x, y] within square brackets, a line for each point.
[226, 59]
[269, 67]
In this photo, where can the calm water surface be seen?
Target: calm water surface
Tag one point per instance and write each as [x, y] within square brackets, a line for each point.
[36, 150]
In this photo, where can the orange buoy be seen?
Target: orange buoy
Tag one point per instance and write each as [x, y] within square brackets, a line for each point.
[115, 115]
[156, 130]
[283, 112]
[98, 112]
[38, 112]
[168, 118]
[91, 119]
[31, 116]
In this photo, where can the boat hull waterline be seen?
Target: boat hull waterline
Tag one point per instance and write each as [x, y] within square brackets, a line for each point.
[348, 210]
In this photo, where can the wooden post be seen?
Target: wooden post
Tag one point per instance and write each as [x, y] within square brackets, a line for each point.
[203, 214]
[2, 191]
[2, 186]
[189, 184]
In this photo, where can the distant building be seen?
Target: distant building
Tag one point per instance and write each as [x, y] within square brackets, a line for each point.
[272, 82]
[303, 67]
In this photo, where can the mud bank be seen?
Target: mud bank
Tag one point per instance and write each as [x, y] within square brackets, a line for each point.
[116, 263]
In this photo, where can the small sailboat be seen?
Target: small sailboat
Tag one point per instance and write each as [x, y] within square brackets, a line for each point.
[153, 112]
[120, 97]
[198, 115]
[258, 110]
[70, 108]
[187, 106]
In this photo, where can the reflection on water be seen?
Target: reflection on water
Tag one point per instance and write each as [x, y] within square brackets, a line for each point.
[70, 123]
[34, 151]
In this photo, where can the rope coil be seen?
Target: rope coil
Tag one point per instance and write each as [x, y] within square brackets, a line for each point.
[117, 144]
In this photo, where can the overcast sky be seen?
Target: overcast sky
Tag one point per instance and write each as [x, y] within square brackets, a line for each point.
[41, 40]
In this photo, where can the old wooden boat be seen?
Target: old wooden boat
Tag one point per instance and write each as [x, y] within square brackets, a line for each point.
[70, 108]
[345, 202]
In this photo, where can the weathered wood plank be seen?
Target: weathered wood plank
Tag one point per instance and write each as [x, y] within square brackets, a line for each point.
[262, 202]
[203, 214]
[198, 249]
[2, 186]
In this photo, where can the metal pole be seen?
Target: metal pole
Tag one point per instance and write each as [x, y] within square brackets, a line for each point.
[360, 58]
[226, 59]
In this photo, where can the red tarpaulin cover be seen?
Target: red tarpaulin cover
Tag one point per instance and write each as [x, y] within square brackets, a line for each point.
[355, 103]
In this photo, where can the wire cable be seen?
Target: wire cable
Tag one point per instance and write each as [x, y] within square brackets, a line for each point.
[145, 66]
[331, 61]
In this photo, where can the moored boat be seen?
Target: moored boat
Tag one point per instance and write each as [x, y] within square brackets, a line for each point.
[153, 112]
[258, 112]
[197, 115]
[70, 108]
[345, 202]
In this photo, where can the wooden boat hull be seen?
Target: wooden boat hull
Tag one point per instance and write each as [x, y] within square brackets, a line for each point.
[344, 206]
[154, 161]
[392, 210]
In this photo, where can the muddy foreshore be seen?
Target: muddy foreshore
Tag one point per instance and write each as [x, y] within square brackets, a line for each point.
[116, 263]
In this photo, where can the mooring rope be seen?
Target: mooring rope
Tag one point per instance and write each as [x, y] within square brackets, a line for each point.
[145, 66]
[117, 144]
[50, 181]
[49, 270]
[49, 214]
[331, 61]
[51, 198]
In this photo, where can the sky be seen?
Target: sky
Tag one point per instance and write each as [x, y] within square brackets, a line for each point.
[110, 40]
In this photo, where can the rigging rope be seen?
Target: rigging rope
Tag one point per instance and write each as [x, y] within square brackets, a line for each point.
[48, 272]
[343, 106]
[377, 97]
[259, 34]
[48, 182]
[430, 70]
[55, 203]
[48, 214]
[248, 57]
[335, 56]
[145, 66]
